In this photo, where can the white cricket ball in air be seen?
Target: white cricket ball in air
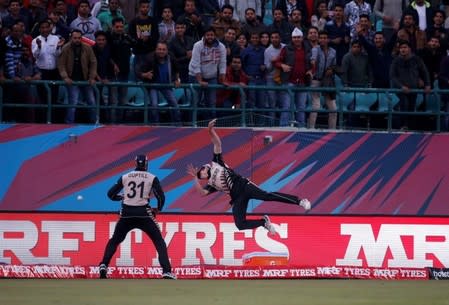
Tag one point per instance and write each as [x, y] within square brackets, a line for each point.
[79, 197]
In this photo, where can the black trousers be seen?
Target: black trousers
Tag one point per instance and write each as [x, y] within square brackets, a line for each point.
[252, 191]
[147, 225]
[42, 92]
[407, 103]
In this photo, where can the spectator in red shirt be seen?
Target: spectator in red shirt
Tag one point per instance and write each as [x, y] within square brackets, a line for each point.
[235, 76]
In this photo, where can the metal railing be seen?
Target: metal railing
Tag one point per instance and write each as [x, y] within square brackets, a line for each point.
[386, 101]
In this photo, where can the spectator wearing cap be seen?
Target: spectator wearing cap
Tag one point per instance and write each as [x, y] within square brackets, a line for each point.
[295, 68]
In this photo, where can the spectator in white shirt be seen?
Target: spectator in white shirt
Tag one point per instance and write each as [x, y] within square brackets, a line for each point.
[46, 48]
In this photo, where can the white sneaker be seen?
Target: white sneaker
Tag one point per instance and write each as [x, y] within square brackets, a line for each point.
[305, 203]
[268, 225]
[169, 276]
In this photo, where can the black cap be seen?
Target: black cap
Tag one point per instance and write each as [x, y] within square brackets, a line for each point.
[141, 162]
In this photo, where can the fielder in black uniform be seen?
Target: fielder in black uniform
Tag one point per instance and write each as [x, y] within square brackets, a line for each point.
[137, 213]
[222, 178]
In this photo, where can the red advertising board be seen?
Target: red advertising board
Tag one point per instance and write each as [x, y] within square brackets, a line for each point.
[365, 244]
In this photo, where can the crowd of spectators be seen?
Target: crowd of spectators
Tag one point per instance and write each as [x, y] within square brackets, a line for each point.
[362, 43]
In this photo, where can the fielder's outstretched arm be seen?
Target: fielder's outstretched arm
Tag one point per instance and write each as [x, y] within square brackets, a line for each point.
[214, 137]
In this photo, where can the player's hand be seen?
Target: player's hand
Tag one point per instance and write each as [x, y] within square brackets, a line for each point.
[212, 123]
[118, 197]
[192, 170]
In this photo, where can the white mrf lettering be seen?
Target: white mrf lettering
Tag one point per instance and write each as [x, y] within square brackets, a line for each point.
[20, 246]
[200, 236]
[389, 237]
[57, 244]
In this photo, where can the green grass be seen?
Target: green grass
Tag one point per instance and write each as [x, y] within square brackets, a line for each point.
[222, 292]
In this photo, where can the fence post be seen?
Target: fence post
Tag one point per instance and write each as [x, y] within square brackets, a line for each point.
[243, 106]
[340, 107]
[390, 114]
[146, 99]
[97, 102]
[438, 99]
[195, 100]
[291, 95]
[49, 97]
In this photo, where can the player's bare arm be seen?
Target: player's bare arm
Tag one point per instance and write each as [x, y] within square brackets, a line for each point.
[214, 137]
[192, 171]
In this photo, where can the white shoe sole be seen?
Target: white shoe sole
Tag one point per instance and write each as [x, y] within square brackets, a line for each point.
[305, 203]
[269, 226]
